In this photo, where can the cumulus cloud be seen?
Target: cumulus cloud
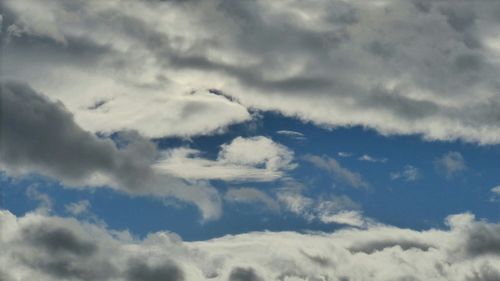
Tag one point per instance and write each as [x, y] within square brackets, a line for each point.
[409, 173]
[338, 172]
[399, 67]
[451, 163]
[40, 136]
[41, 247]
[243, 159]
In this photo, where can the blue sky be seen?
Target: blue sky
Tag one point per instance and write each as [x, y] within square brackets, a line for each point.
[249, 140]
[421, 202]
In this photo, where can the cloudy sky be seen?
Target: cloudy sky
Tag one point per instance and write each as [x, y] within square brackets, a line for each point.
[249, 140]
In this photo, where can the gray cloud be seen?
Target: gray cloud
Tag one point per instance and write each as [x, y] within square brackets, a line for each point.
[379, 252]
[40, 136]
[244, 274]
[374, 246]
[140, 271]
[483, 239]
[414, 67]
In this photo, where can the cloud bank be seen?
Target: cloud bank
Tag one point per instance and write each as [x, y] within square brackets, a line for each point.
[44, 247]
[399, 67]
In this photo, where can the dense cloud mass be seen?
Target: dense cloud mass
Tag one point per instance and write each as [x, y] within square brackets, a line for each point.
[39, 247]
[400, 67]
[40, 136]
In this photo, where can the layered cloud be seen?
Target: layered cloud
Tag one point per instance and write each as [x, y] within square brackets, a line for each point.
[53, 248]
[400, 67]
[243, 159]
[40, 136]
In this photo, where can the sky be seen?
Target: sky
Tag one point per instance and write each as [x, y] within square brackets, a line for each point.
[249, 140]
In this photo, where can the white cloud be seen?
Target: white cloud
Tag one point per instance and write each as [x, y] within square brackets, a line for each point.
[451, 163]
[368, 158]
[496, 190]
[77, 208]
[400, 68]
[409, 173]
[292, 134]
[243, 159]
[344, 154]
[32, 250]
[334, 209]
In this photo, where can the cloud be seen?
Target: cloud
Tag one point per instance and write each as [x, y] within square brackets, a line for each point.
[77, 208]
[244, 274]
[344, 154]
[368, 158]
[292, 134]
[243, 159]
[409, 173]
[398, 67]
[333, 209]
[251, 196]
[339, 173]
[44, 139]
[451, 163]
[41, 247]
[496, 190]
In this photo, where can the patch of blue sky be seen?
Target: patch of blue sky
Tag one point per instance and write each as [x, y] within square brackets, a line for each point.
[420, 204]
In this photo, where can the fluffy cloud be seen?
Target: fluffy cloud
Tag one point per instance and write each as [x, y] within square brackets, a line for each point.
[399, 67]
[53, 248]
[40, 136]
[339, 172]
[243, 159]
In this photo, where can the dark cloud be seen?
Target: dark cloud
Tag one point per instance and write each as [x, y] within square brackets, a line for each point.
[485, 273]
[374, 246]
[483, 239]
[58, 240]
[61, 252]
[40, 135]
[140, 271]
[244, 274]
[319, 260]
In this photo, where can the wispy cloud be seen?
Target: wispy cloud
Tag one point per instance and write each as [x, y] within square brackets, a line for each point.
[450, 163]
[409, 173]
[368, 158]
[41, 247]
[292, 134]
[339, 173]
